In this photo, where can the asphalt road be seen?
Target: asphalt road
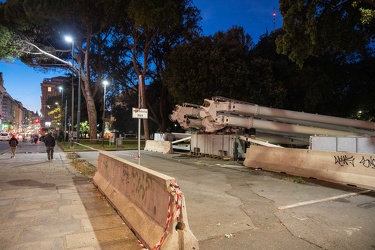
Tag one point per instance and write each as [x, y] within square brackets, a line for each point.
[4, 146]
[23, 147]
[233, 207]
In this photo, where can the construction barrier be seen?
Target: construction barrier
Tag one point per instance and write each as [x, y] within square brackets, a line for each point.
[150, 203]
[164, 147]
[338, 167]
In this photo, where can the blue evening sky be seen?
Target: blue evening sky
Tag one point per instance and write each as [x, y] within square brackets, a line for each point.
[255, 16]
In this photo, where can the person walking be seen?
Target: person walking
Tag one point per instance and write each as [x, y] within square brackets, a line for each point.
[13, 143]
[49, 141]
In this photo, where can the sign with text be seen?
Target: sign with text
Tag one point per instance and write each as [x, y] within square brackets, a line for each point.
[140, 113]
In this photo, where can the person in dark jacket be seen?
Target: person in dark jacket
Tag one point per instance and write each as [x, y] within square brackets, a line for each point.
[13, 143]
[49, 141]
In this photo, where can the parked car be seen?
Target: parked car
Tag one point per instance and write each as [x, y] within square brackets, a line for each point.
[4, 137]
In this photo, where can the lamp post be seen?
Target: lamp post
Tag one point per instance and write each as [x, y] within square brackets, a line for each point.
[58, 106]
[66, 107]
[63, 119]
[70, 39]
[105, 86]
[139, 120]
[79, 103]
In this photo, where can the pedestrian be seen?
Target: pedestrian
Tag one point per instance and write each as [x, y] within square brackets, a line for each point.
[49, 141]
[36, 137]
[13, 142]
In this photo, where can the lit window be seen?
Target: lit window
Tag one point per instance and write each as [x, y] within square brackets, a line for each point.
[49, 89]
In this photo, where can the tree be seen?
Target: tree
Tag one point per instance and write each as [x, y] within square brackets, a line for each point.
[325, 85]
[41, 24]
[123, 113]
[85, 129]
[147, 25]
[367, 14]
[210, 66]
[314, 28]
[8, 44]
[268, 71]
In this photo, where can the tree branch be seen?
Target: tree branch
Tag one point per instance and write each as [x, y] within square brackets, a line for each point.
[49, 55]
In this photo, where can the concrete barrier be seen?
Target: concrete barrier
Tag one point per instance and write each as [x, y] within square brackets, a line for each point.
[338, 167]
[164, 147]
[149, 202]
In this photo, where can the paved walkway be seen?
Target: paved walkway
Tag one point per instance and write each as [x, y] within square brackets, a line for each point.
[50, 205]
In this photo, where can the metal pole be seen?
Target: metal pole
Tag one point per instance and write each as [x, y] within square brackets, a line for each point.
[139, 119]
[105, 84]
[61, 107]
[66, 107]
[79, 103]
[72, 90]
[139, 141]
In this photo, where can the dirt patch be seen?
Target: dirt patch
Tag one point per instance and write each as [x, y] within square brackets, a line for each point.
[84, 167]
[72, 155]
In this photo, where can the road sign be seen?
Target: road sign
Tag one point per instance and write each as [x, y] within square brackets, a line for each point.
[140, 113]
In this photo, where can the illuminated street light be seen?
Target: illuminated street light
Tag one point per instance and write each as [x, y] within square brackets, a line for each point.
[105, 83]
[70, 39]
[79, 103]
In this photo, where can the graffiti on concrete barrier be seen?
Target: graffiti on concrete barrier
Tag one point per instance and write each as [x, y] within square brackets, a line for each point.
[141, 183]
[125, 178]
[344, 160]
[368, 162]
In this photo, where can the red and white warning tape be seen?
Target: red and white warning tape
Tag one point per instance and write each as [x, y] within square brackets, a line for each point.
[176, 192]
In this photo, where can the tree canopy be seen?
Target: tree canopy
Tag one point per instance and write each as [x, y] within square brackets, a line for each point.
[210, 66]
[313, 28]
[149, 31]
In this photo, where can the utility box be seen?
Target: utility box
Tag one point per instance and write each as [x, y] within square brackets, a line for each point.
[111, 140]
[119, 142]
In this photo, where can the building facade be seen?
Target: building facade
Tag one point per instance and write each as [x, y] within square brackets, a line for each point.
[2, 94]
[14, 118]
[49, 88]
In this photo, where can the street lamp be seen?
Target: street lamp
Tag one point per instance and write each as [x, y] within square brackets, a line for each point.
[70, 39]
[63, 119]
[79, 103]
[57, 106]
[61, 106]
[105, 86]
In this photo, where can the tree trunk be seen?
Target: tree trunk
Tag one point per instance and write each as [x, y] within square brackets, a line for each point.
[144, 105]
[91, 110]
[92, 117]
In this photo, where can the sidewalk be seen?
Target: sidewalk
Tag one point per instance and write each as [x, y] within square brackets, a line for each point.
[50, 205]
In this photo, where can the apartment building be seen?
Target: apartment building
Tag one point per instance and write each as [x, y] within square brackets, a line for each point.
[15, 118]
[49, 88]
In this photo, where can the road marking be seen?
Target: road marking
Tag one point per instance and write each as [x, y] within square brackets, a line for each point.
[299, 204]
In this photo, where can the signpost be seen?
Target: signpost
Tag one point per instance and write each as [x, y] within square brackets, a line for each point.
[139, 114]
